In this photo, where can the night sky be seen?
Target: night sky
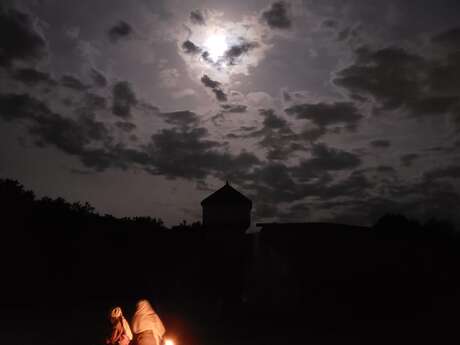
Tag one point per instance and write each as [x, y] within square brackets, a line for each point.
[316, 110]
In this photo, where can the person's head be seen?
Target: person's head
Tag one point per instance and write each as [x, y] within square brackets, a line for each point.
[115, 315]
[143, 304]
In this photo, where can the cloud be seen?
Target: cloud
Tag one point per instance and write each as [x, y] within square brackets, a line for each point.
[276, 136]
[169, 77]
[124, 99]
[324, 114]
[277, 16]
[183, 152]
[125, 126]
[330, 24]
[121, 30]
[448, 38]
[99, 79]
[274, 182]
[409, 158]
[188, 154]
[235, 52]
[72, 136]
[182, 119]
[450, 172]
[215, 87]
[183, 93]
[94, 102]
[273, 121]
[426, 85]
[234, 108]
[377, 72]
[20, 38]
[197, 17]
[14, 107]
[190, 48]
[32, 77]
[208, 82]
[380, 143]
[325, 159]
[73, 82]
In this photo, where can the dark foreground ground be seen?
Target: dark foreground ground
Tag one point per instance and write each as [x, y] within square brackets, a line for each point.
[361, 288]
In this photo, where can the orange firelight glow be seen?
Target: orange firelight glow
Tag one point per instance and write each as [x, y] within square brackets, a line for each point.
[169, 342]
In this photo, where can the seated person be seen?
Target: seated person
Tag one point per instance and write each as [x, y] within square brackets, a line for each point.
[121, 332]
[147, 326]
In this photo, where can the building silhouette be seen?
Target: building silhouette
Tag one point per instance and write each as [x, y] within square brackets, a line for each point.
[227, 209]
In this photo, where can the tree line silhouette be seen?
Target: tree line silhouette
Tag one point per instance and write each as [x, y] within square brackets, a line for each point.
[397, 280]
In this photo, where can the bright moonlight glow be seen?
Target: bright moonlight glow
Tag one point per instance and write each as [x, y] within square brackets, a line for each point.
[216, 46]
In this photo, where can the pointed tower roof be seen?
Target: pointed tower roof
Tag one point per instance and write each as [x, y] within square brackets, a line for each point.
[226, 195]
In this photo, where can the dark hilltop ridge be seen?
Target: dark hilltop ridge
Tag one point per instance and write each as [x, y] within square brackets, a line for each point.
[64, 266]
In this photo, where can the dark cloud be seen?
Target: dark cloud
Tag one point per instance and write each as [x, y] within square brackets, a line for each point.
[380, 143]
[325, 159]
[276, 136]
[311, 135]
[215, 86]
[234, 108]
[426, 86]
[377, 72]
[94, 102]
[409, 158]
[208, 82]
[121, 30]
[73, 82]
[14, 107]
[124, 99]
[184, 152]
[353, 187]
[286, 96]
[125, 126]
[221, 96]
[343, 34]
[449, 38]
[272, 184]
[324, 114]
[98, 78]
[197, 17]
[190, 48]
[330, 24]
[273, 121]
[235, 52]
[31, 77]
[19, 36]
[451, 171]
[188, 154]
[277, 16]
[72, 136]
[181, 118]
[386, 169]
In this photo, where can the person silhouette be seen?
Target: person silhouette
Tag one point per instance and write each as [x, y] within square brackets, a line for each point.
[147, 326]
[121, 332]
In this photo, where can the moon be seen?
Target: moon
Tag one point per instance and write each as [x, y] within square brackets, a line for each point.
[216, 45]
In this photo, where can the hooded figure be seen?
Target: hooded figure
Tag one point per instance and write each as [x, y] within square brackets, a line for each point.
[147, 326]
[121, 333]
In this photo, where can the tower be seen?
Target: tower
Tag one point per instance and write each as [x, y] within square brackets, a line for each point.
[227, 209]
